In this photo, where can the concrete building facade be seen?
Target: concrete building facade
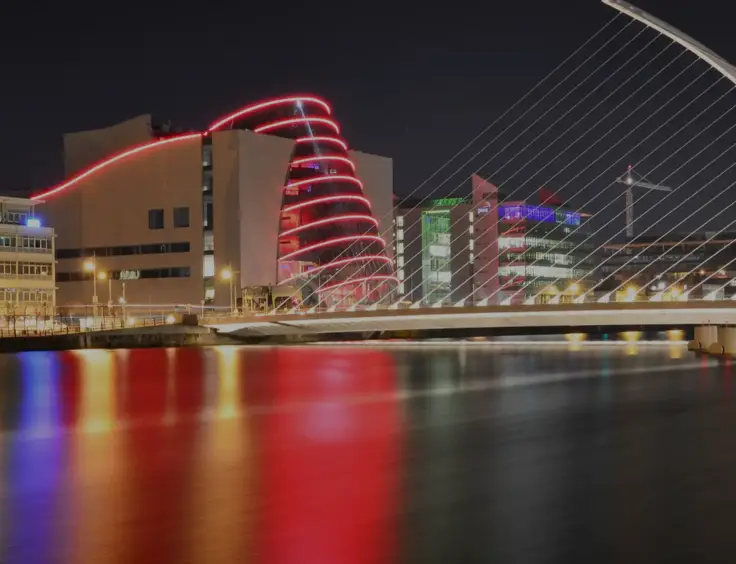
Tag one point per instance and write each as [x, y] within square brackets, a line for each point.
[269, 195]
[27, 266]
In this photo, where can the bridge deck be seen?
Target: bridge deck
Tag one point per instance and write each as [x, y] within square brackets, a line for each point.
[611, 315]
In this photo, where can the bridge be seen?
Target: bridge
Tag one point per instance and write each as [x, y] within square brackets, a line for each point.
[480, 320]
[494, 263]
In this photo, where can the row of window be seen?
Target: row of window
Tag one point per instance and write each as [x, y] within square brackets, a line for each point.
[555, 258]
[523, 242]
[156, 218]
[26, 243]
[175, 272]
[556, 272]
[14, 217]
[13, 295]
[153, 249]
[21, 269]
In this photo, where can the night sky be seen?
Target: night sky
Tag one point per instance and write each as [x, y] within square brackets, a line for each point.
[412, 83]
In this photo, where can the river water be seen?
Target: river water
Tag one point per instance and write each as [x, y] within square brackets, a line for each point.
[478, 452]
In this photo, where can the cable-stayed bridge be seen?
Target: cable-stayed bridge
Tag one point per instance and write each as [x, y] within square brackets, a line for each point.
[639, 95]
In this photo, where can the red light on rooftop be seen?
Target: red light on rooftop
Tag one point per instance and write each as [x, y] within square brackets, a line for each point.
[268, 104]
[328, 200]
[325, 178]
[109, 161]
[335, 219]
[295, 121]
[332, 242]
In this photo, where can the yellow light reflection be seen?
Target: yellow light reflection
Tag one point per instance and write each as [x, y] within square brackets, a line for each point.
[223, 444]
[576, 337]
[676, 351]
[97, 409]
[97, 463]
[631, 336]
[675, 335]
[576, 341]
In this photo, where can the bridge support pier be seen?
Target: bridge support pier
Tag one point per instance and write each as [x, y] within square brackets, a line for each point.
[715, 340]
[705, 336]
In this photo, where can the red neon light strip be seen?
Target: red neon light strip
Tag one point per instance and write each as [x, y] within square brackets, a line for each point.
[335, 241]
[327, 199]
[107, 162]
[385, 278]
[276, 102]
[325, 158]
[325, 178]
[323, 139]
[339, 263]
[337, 218]
[293, 121]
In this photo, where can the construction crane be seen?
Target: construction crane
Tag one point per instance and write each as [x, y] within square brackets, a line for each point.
[631, 180]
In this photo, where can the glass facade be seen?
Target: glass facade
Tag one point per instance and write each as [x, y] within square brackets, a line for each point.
[541, 249]
[436, 255]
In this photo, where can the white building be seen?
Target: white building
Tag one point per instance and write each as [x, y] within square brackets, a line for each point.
[27, 263]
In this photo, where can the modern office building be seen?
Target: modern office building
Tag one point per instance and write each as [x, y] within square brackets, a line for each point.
[543, 251]
[475, 248]
[267, 196]
[446, 248]
[697, 263]
[27, 266]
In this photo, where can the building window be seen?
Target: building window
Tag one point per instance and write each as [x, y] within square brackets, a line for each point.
[181, 217]
[208, 268]
[152, 249]
[155, 219]
[208, 212]
[209, 242]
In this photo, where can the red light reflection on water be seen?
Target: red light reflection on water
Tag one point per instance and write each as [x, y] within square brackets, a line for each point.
[330, 458]
[202, 455]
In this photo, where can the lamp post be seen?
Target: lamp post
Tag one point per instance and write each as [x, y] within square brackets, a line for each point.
[91, 266]
[123, 301]
[106, 276]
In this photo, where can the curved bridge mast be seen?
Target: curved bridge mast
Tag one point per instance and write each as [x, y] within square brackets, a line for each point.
[700, 50]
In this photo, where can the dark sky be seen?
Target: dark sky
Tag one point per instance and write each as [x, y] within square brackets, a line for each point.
[412, 82]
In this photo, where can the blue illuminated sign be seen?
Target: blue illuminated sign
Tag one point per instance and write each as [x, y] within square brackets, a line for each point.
[538, 213]
[33, 222]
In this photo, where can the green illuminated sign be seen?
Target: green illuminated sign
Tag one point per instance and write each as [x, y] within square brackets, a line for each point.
[448, 202]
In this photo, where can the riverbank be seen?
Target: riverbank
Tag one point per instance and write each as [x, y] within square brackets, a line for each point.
[133, 338]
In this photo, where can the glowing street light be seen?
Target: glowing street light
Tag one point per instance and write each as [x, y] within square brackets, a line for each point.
[631, 293]
[574, 288]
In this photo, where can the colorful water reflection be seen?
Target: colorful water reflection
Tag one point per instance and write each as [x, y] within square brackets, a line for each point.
[196, 455]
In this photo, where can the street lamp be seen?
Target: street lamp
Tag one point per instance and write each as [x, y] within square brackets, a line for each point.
[106, 276]
[91, 266]
[123, 301]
